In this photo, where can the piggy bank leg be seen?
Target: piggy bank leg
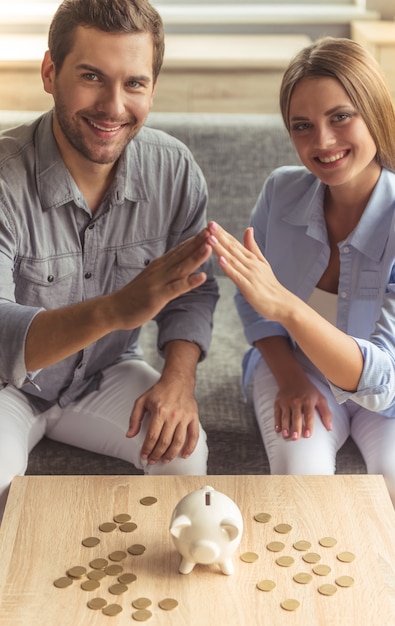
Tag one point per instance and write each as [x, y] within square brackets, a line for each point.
[186, 566]
[227, 567]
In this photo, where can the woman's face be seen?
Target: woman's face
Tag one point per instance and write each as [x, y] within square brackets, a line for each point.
[330, 136]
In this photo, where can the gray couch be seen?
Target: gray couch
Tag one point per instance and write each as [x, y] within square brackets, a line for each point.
[236, 152]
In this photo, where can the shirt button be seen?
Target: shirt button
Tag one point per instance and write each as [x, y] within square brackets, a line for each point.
[50, 278]
[146, 262]
[88, 275]
[346, 250]
[91, 226]
[343, 294]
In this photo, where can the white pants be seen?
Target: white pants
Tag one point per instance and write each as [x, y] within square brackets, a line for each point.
[373, 434]
[97, 423]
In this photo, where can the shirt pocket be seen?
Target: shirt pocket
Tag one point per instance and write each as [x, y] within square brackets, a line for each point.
[130, 261]
[48, 283]
[369, 285]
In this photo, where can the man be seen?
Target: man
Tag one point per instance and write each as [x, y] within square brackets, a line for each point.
[102, 229]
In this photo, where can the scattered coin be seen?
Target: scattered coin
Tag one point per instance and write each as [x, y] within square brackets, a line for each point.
[283, 528]
[90, 585]
[136, 549]
[321, 570]
[327, 542]
[62, 583]
[107, 527]
[113, 570]
[141, 615]
[311, 557]
[97, 603]
[344, 581]
[327, 590]
[346, 557]
[121, 518]
[275, 546]
[262, 518]
[303, 578]
[148, 501]
[96, 574]
[127, 578]
[141, 603]
[249, 557]
[266, 585]
[128, 527]
[98, 563]
[168, 604]
[285, 561]
[117, 555]
[302, 545]
[117, 589]
[90, 542]
[112, 609]
[76, 572]
[290, 605]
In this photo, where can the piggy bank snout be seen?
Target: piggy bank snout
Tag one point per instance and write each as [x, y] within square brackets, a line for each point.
[205, 551]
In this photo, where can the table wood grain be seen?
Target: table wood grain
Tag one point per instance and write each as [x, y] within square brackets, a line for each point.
[47, 517]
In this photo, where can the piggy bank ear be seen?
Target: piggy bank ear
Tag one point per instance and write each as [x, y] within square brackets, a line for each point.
[230, 528]
[180, 522]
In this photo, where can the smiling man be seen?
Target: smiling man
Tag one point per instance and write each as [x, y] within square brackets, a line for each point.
[101, 230]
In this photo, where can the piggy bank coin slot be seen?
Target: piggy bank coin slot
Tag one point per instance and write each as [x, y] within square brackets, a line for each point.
[208, 498]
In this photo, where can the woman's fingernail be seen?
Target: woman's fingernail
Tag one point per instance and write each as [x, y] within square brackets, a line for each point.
[213, 239]
[222, 260]
[214, 225]
[307, 433]
[285, 433]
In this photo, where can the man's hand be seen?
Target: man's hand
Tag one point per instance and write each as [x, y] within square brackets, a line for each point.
[171, 406]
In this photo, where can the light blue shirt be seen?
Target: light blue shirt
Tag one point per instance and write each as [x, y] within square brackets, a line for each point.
[54, 252]
[290, 229]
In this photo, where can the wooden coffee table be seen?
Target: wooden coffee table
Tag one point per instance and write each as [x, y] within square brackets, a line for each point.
[47, 517]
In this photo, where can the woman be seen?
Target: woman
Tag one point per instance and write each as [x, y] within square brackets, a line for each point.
[322, 239]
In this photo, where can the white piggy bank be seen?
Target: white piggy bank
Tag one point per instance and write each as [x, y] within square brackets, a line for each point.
[206, 527]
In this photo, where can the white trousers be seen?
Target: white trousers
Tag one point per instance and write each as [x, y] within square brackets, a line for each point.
[97, 423]
[373, 434]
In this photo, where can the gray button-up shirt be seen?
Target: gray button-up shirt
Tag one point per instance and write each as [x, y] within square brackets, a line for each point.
[53, 252]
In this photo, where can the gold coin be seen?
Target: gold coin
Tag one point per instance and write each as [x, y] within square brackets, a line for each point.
[344, 581]
[76, 572]
[303, 578]
[262, 518]
[90, 585]
[285, 561]
[311, 557]
[98, 563]
[113, 570]
[117, 589]
[327, 590]
[96, 603]
[283, 528]
[121, 518]
[62, 583]
[327, 542]
[96, 574]
[168, 604]
[141, 603]
[136, 549]
[142, 615]
[127, 578]
[321, 570]
[117, 555]
[249, 557]
[107, 527]
[266, 585]
[112, 609]
[275, 546]
[302, 545]
[346, 557]
[148, 500]
[90, 542]
[128, 527]
[290, 605]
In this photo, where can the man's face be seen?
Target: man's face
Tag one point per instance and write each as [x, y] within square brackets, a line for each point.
[102, 93]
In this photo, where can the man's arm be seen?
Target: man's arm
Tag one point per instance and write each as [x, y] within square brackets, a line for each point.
[56, 334]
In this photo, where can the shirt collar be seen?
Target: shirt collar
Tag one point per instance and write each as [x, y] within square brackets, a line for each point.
[56, 186]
